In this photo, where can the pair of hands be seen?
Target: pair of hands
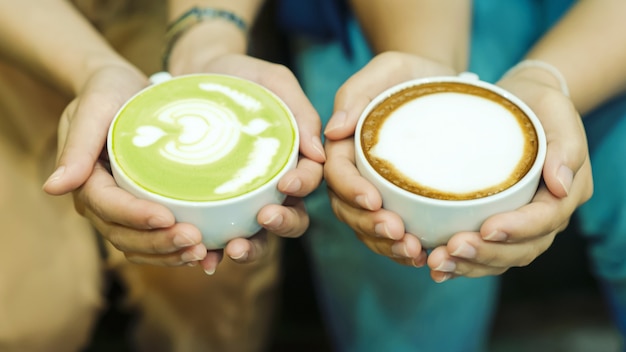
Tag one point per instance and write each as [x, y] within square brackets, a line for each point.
[504, 240]
[147, 232]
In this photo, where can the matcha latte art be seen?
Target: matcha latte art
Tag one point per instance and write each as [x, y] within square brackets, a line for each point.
[203, 138]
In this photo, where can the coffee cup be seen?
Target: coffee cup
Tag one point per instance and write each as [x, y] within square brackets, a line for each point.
[209, 147]
[448, 152]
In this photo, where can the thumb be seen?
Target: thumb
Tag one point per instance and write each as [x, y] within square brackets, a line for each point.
[82, 134]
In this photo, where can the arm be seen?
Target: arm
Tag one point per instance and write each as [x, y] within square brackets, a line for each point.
[432, 29]
[401, 34]
[216, 45]
[588, 47]
[147, 232]
[53, 41]
[211, 38]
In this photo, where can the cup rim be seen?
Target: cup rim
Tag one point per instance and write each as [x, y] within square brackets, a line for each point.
[471, 79]
[164, 77]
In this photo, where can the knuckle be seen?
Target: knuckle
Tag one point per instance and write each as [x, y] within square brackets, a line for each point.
[279, 71]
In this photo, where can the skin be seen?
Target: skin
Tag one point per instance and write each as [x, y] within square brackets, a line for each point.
[90, 72]
[509, 239]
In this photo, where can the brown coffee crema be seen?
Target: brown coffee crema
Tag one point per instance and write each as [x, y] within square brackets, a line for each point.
[379, 114]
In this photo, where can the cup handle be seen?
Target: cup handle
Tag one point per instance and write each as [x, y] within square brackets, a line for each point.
[470, 76]
[160, 77]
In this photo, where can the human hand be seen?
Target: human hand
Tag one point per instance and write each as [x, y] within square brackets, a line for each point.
[355, 200]
[147, 232]
[516, 238]
[144, 231]
[289, 219]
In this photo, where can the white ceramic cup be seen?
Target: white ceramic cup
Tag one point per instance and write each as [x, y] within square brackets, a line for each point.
[432, 220]
[218, 220]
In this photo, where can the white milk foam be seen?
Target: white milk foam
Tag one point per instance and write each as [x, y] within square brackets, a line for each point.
[452, 142]
[209, 132]
[259, 159]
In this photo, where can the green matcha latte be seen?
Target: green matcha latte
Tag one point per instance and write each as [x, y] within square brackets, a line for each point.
[202, 138]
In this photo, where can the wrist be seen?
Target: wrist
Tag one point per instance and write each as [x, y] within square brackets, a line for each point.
[539, 71]
[202, 43]
[93, 62]
[201, 34]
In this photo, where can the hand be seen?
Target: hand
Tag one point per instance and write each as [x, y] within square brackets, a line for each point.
[517, 238]
[146, 232]
[354, 200]
[291, 218]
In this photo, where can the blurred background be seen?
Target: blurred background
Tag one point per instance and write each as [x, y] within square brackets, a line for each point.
[552, 305]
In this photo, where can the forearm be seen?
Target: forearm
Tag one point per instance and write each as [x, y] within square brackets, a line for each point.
[51, 39]
[434, 29]
[213, 36]
[588, 46]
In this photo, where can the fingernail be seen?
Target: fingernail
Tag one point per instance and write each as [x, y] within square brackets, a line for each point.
[363, 201]
[399, 250]
[338, 120]
[183, 240]
[496, 236]
[157, 222]
[56, 175]
[210, 271]
[465, 251]
[565, 175]
[447, 266]
[191, 256]
[445, 277]
[274, 222]
[192, 264]
[293, 186]
[382, 230]
[420, 261]
[318, 146]
[241, 256]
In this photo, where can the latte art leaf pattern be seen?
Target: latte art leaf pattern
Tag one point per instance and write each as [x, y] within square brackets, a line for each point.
[202, 132]
[240, 98]
[258, 163]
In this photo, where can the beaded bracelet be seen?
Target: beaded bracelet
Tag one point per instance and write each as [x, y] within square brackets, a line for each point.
[544, 66]
[191, 18]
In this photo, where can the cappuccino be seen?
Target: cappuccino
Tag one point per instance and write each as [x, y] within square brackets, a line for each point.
[449, 140]
[446, 153]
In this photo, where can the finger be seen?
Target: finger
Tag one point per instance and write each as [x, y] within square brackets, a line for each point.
[382, 72]
[81, 147]
[466, 254]
[101, 195]
[344, 178]
[85, 126]
[564, 133]
[284, 84]
[244, 251]
[303, 180]
[444, 267]
[406, 251]
[377, 224]
[289, 220]
[187, 256]
[546, 213]
[142, 241]
[211, 261]
[414, 262]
